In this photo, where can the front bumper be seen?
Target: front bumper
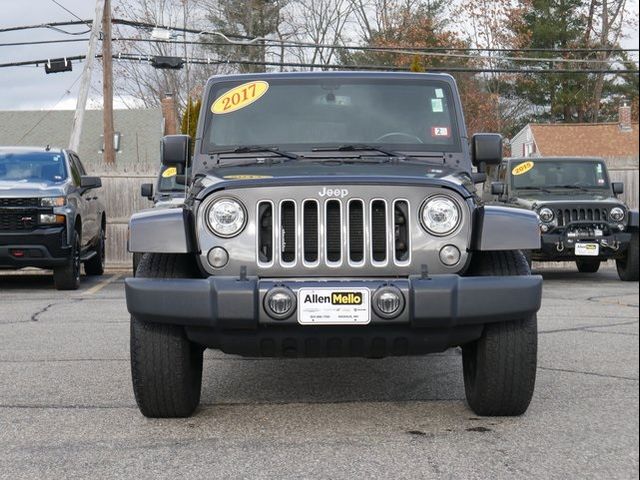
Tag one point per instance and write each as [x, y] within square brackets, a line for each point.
[41, 247]
[230, 303]
[559, 247]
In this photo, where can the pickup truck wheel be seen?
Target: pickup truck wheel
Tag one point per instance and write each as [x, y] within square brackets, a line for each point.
[67, 277]
[136, 261]
[628, 266]
[500, 367]
[166, 368]
[588, 265]
[95, 265]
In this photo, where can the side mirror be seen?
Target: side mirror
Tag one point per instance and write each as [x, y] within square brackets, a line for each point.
[90, 182]
[486, 149]
[146, 190]
[618, 188]
[175, 151]
[498, 188]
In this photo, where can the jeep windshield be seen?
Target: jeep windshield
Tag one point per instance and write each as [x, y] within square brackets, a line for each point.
[570, 175]
[306, 115]
[41, 167]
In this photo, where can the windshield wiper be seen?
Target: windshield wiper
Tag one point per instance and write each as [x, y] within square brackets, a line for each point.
[579, 187]
[256, 149]
[360, 148]
[534, 188]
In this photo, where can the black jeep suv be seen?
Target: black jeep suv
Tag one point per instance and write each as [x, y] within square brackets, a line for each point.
[50, 214]
[581, 218]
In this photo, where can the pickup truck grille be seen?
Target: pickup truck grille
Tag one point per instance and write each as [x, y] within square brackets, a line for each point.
[333, 232]
[18, 220]
[568, 215]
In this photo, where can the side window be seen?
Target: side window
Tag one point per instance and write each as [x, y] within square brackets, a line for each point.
[75, 171]
[80, 166]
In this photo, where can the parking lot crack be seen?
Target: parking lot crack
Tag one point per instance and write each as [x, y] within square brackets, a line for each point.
[595, 374]
[35, 316]
[587, 328]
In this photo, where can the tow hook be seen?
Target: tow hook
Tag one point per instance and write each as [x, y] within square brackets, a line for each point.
[560, 246]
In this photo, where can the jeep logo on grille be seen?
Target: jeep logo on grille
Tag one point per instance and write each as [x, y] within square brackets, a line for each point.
[333, 192]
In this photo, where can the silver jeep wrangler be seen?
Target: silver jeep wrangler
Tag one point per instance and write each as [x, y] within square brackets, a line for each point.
[333, 214]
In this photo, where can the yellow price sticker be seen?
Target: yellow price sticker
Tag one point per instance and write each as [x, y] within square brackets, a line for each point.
[170, 172]
[245, 177]
[239, 97]
[521, 168]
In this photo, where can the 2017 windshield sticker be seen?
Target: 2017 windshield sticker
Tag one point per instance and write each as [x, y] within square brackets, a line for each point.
[436, 105]
[521, 168]
[170, 172]
[440, 132]
[239, 97]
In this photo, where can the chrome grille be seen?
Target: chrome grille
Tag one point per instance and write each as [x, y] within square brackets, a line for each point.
[333, 232]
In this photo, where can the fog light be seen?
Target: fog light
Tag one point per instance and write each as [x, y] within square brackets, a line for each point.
[544, 228]
[449, 255]
[388, 302]
[218, 257]
[280, 303]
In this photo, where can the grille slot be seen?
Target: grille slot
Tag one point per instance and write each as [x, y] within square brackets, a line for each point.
[333, 230]
[568, 215]
[265, 232]
[379, 230]
[310, 231]
[356, 231]
[401, 230]
[288, 229]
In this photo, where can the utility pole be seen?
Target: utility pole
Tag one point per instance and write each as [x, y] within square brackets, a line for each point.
[81, 105]
[109, 154]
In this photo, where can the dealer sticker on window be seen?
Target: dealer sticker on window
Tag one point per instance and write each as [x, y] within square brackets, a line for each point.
[587, 249]
[334, 306]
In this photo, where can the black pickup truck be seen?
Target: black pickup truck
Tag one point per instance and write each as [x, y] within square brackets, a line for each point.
[50, 214]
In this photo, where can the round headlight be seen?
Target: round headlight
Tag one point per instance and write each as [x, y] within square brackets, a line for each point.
[226, 217]
[440, 215]
[616, 214]
[546, 214]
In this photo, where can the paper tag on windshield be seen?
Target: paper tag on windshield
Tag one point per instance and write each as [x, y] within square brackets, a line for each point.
[436, 105]
[440, 132]
[439, 93]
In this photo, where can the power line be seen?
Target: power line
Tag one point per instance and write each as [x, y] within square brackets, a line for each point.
[51, 26]
[444, 68]
[44, 42]
[69, 11]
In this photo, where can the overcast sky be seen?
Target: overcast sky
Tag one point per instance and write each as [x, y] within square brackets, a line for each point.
[29, 88]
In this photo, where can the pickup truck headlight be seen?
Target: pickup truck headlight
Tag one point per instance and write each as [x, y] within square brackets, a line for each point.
[53, 202]
[440, 215]
[616, 214]
[546, 215]
[226, 217]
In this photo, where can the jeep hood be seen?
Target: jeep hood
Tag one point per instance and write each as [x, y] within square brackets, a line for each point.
[334, 169]
[25, 189]
[550, 199]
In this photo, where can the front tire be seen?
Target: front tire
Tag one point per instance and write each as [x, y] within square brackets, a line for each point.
[67, 277]
[500, 367]
[95, 265]
[166, 368]
[588, 265]
[628, 269]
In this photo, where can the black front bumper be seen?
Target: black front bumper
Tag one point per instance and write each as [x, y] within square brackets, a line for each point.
[559, 247]
[41, 247]
[228, 313]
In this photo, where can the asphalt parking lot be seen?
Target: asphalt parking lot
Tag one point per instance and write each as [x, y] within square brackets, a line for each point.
[67, 408]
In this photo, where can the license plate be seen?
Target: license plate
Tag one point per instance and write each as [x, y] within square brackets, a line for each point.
[334, 306]
[587, 249]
